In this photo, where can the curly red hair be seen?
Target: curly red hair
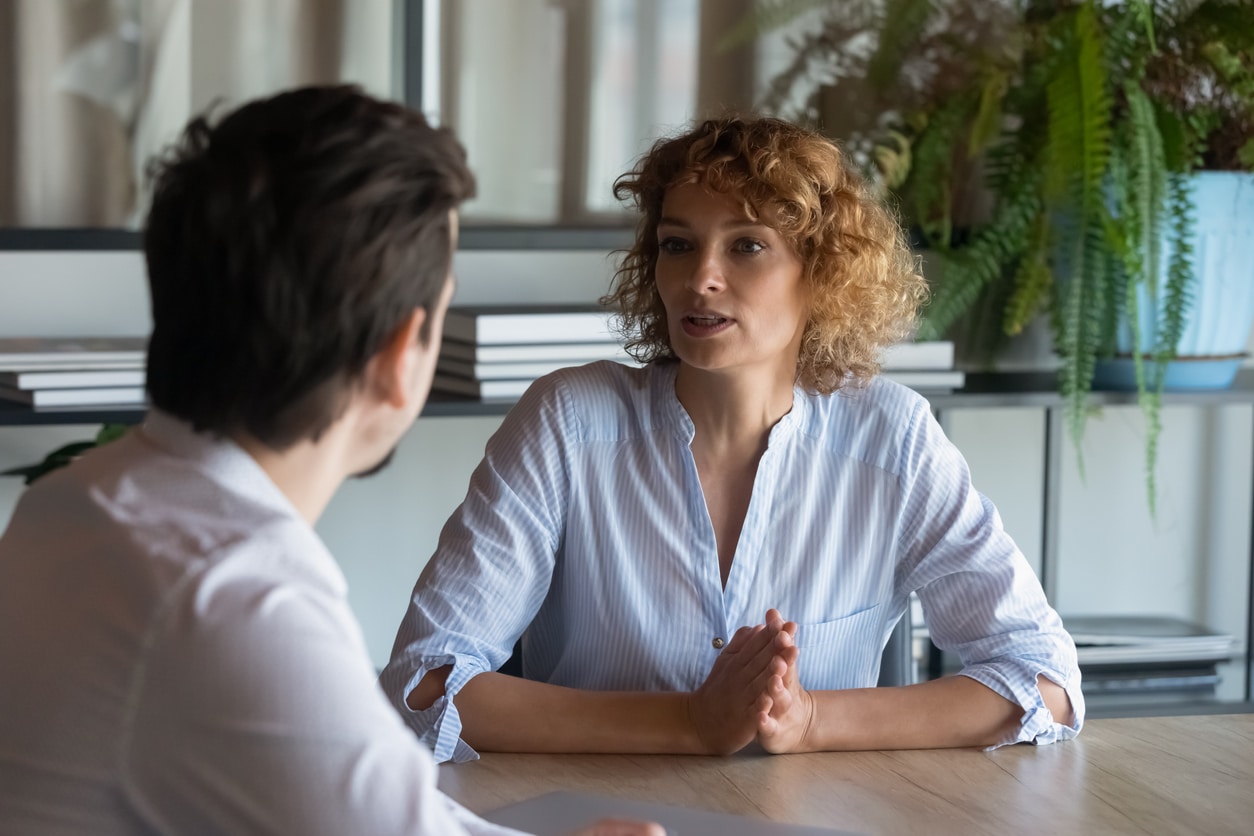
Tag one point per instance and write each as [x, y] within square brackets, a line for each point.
[866, 288]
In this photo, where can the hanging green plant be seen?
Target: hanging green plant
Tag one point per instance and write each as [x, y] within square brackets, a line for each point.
[1078, 122]
[62, 456]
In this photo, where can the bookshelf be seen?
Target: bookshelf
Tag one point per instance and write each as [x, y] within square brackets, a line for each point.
[1027, 390]
[15, 414]
[1037, 390]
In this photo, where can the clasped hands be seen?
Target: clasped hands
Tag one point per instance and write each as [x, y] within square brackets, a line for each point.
[754, 692]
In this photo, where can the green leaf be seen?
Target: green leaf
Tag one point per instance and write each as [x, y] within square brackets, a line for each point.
[67, 453]
[902, 24]
[58, 458]
[111, 432]
[765, 16]
[987, 123]
[1033, 281]
[1246, 154]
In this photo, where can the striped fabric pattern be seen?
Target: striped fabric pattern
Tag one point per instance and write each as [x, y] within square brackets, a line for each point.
[585, 526]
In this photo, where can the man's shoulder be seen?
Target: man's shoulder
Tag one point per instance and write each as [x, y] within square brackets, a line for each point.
[166, 517]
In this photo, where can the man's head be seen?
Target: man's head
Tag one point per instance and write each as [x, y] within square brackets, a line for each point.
[286, 244]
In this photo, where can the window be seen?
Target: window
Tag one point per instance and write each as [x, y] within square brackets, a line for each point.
[555, 99]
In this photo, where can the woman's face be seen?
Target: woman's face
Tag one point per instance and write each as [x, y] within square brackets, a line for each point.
[732, 287]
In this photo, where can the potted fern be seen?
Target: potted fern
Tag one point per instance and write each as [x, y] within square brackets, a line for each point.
[1048, 155]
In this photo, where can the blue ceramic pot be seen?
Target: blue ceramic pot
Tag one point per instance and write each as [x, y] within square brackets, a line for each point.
[1217, 329]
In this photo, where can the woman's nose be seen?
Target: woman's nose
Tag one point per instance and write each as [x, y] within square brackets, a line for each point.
[708, 275]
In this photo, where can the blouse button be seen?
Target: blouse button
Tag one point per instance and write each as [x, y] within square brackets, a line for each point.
[718, 643]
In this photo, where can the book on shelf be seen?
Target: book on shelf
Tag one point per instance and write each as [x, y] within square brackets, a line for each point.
[98, 396]
[1150, 704]
[571, 353]
[927, 379]
[1161, 678]
[72, 365]
[484, 390]
[928, 354]
[528, 324]
[511, 371]
[26, 352]
[78, 378]
[1145, 639]
[448, 379]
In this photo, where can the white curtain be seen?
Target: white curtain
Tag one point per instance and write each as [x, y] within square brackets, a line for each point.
[90, 89]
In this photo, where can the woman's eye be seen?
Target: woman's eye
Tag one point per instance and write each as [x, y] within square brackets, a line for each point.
[749, 246]
[671, 246]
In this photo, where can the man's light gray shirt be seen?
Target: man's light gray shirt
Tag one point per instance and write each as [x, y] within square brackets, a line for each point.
[179, 656]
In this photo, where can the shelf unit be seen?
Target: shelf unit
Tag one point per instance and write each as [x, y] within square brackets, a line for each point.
[1038, 390]
[1029, 390]
[16, 414]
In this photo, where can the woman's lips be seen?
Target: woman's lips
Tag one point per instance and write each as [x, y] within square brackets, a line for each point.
[704, 325]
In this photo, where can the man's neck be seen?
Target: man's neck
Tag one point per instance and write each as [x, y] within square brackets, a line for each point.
[308, 473]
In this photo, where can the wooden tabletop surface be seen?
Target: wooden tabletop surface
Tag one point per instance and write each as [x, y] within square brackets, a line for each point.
[1192, 774]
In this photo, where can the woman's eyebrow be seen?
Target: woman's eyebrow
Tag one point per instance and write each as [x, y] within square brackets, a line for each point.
[666, 220]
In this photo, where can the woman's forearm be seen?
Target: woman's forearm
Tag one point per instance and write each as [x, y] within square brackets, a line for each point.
[955, 711]
[502, 713]
[508, 714]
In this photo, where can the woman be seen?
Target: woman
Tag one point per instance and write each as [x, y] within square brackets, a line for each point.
[651, 529]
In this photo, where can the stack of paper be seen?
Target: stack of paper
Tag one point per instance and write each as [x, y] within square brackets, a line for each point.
[926, 366]
[495, 353]
[72, 371]
[1130, 639]
[1131, 660]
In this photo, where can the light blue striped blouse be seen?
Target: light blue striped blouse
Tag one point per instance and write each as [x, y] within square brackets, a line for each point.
[585, 525]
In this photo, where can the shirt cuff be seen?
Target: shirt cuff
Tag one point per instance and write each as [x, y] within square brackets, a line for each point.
[440, 730]
[1037, 726]
[439, 726]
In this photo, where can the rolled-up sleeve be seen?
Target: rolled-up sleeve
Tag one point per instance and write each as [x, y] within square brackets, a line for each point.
[980, 597]
[439, 726]
[491, 569]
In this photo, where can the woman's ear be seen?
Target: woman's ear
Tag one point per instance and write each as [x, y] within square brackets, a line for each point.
[392, 371]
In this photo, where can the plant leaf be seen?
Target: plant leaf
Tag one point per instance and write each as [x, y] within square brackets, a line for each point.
[765, 16]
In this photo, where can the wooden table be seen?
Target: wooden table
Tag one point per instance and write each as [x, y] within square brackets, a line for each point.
[1141, 775]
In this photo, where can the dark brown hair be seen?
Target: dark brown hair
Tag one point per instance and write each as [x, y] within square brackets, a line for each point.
[284, 245]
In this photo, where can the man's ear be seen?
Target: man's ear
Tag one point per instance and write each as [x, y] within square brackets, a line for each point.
[391, 371]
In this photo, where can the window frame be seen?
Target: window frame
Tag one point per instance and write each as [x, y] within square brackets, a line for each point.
[472, 236]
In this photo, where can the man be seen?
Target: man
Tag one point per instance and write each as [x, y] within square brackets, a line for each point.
[177, 649]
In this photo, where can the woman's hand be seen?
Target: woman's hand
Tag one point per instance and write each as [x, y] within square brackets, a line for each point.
[785, 726]
[725, 711]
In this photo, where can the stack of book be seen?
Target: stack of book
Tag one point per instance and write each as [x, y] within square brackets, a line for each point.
[927, 366]
[1138, 659]
[495, 353]
[72, 371]
[1126, 661]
